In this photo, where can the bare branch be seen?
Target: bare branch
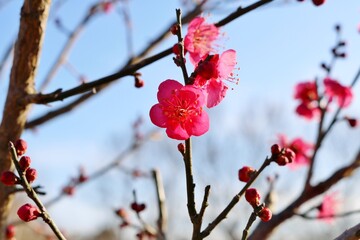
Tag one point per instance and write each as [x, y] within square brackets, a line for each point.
[33, 195]
[61, 59]
[34, 14]
[53, 114]
[206, 232]
[128, 69]
[160, 193]
[352, 233]
[241, 11]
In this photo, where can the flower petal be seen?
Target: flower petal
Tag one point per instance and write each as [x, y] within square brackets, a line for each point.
[175, 131]
[166, 89]
[199, 125]
[157, 116]
[227, 63]
[216, 90]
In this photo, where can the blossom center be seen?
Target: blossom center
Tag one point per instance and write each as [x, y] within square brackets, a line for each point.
[180, 110]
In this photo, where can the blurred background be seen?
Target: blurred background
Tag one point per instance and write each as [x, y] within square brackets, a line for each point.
[277, 46]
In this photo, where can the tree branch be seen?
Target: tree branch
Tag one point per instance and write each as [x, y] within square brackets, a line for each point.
[160, 193]
[352, 233]
[33, 195]
[206, 232]
[130, 69]
[34, 14]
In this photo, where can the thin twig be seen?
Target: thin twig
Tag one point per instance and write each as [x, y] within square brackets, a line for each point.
[129, 31]
[33, 195]
[187, 18]
[337, 215]
[241, 11]
[323, 133]
[73, 36]
[100, 172]
[251, 220]
[130, 69]
[352, 233]
[181, 47]
[234, 201]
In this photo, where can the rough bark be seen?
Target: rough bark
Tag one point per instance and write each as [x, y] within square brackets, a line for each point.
[34, 14]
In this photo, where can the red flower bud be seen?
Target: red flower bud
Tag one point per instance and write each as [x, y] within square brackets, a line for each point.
[181, 148]
[265, 214]
[10, 232]
[31, 175]
[107, 6]
[82, 178]
[28, 212]
[275, 149]
[282, 160]
[245, 173]
[174, 29]
[24, 162]
[353, 122]
[9, 178]
[139, 83]
[138, 207]
[121, 212]
[318, 2]
[252, 196]
[176, 50]
[290, 154]
[20, 146]
[69, 190]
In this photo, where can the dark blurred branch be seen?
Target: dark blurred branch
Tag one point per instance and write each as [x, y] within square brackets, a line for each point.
[251, 220]
[352, 233]
[338, 215]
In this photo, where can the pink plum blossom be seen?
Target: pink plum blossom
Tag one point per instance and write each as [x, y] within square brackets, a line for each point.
[299, 147]
[333, 89]
[307, 93]
[327, 208]
[180, 110]
[199, 39]
[210, 73]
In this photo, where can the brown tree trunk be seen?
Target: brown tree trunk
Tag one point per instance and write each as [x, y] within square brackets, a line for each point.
[33, 19]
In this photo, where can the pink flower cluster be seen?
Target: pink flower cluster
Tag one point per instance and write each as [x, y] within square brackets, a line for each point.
[181, 108]
[307, 93]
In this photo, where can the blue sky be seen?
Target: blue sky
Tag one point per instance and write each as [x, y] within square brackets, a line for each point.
[277, 46]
